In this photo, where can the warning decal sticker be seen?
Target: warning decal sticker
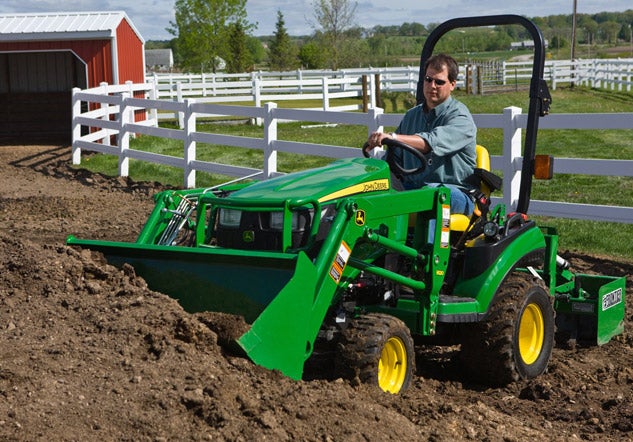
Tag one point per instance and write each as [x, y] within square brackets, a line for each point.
[340, 261]
[445, 237]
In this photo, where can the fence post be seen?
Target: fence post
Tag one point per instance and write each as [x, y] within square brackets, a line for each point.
[254, 86]
[179, 96]
[300, 79]
[153, 95]
[106, 115]
[190, 144]
[372, 91]
[365, 93]
[257, 96]
[326, 93]
[126, 116]
[270, 136]
[372, 124]
[412, 83]
[76, 127]
[511, 156]
[580, 75]
[130, 85]
[377, 92]
[171, 87]
[257, 91]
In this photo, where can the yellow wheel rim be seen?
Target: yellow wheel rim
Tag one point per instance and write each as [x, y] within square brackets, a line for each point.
[531, 333]
[392, 367]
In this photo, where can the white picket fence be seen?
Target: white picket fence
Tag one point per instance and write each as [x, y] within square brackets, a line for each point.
[326, 85]
[114, 112]
[612, 74]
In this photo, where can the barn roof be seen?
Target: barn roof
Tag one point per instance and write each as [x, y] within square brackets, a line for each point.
[62, 26]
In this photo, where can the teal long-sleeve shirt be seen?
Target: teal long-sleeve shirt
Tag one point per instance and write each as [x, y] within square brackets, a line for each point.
[451, 132]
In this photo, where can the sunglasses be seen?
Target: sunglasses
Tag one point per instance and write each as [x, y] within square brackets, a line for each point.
[437, 82]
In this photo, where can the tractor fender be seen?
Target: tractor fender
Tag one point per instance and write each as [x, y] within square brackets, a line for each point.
[487, 264]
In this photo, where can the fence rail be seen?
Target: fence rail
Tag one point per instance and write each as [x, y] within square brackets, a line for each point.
[257, 87]
[326, 86]
[114, 115]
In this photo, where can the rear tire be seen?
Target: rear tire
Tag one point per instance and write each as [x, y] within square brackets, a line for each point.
[378, 349]
[515, 340]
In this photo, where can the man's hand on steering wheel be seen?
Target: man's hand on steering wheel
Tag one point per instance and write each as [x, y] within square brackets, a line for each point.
[374, 141]
[393, 160]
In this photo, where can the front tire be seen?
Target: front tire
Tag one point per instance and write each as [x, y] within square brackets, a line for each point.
[515, 340]
[378, 349]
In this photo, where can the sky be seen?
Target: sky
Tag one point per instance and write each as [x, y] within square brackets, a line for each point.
[152, 17]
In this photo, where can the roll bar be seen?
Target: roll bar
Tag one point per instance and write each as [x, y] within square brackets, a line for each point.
[540, 98]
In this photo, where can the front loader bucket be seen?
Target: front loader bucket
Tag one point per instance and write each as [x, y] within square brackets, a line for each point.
[272, 291]
[595, 313]
[280, 338]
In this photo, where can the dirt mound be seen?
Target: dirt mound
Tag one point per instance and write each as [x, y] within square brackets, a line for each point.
[88, 352]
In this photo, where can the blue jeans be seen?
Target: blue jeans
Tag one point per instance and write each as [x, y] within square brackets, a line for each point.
[460, 202]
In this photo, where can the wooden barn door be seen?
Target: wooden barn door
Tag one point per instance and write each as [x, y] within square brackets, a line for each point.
[35, 94]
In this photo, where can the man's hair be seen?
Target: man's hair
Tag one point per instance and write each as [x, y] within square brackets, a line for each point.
[437, 63]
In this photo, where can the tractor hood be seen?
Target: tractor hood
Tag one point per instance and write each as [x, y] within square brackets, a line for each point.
[339, 179]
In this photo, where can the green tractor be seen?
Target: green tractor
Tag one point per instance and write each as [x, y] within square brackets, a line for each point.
[334, 261]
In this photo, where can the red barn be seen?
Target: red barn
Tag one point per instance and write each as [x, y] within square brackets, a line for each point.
[43, 56]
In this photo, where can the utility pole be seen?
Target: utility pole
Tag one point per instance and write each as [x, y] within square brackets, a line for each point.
[573, 32]
[573, 42]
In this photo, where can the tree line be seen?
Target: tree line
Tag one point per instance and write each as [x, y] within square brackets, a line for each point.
[209, 35]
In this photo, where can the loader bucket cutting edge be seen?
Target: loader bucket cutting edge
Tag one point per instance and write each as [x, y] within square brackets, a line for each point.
[274, 294]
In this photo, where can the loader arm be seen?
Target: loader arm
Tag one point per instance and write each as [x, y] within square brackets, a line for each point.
[282, 337]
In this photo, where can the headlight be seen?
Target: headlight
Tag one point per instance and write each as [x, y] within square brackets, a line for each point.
[299, 220]
[277, 221]
[230, 217]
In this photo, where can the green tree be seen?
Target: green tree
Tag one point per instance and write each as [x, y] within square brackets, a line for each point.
[590, 26]
[610, 30]
[334, 17]
[202, 30]
[558, 42]
[312, 55]
[354, 52]
[256, 49]
[240, 58]
[283, 52]
[412, 29]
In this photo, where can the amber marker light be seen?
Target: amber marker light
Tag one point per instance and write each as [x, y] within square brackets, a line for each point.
[543, 167]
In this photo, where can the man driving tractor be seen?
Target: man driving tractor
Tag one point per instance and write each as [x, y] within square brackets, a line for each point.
[442, 128]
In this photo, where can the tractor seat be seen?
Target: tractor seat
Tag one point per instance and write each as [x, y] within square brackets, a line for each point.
[488, 182]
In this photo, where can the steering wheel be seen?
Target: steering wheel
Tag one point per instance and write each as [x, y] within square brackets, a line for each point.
[394, 160]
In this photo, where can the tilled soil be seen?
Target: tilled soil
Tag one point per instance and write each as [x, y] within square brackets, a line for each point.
[88, 352]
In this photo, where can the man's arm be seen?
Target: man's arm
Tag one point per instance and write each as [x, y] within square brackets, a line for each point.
[416, 141]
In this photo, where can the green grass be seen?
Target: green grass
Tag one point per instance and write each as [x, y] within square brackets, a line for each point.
[603, 238]
[586, 236]
[606, 239]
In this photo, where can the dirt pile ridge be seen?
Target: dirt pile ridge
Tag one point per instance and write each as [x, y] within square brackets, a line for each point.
[89, 352]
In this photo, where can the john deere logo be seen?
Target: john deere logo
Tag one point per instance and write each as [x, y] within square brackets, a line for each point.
[360, 218]
[248, 236]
